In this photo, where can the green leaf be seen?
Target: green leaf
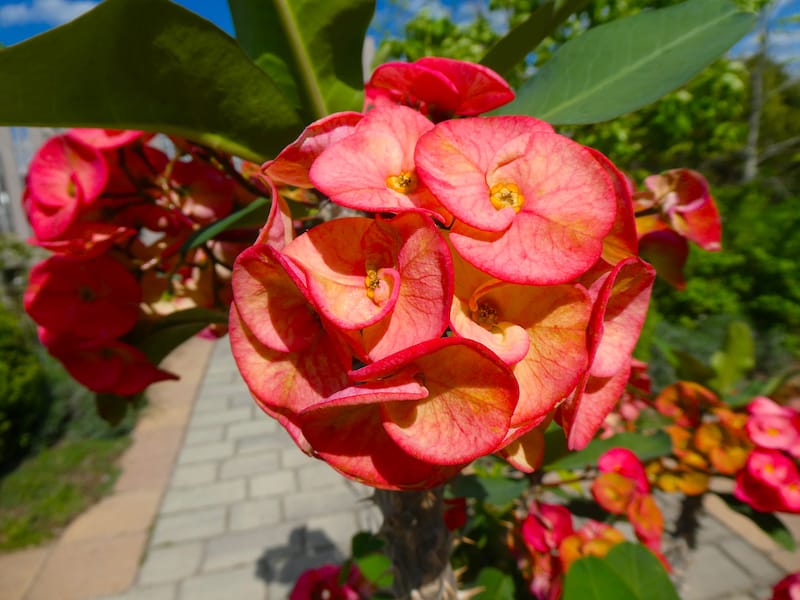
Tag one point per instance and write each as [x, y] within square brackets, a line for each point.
[502, 491]
[111, 407]
[171, 331]
[311, 48]
[628, 572]
[646, 447]
[249, 215]
[628, 63]
[466, 486]
[376, 568]
[364, 543]
[520, 41]
[495, 585]
[736, 359]
[768, 522]
[150, 65]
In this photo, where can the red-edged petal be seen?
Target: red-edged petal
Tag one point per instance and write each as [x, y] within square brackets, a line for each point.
[479, 88]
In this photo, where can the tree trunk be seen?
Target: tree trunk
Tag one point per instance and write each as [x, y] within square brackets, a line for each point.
[418, 543]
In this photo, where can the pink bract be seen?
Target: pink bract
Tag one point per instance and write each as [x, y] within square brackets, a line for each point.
[429, 410]
[627, 464]
[373, 169]
[291, 166]
[386, 283]
[520, 195]
[546, 526]
[104, 139]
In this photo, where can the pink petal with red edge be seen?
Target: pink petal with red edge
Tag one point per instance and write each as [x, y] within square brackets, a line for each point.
[619, 311]
[270, 296]
[472, 396]
[284, 384]
[479, 88]
[546, 526]
[336, 265]
[87, 240]
[96, 298]
[761, 405]
[64, 171]
[205, 194]
[49, 222]
[373, 168]
[622, 241]
[667, 252]
[453, 160]
[582, 415]
[278, 231]
[353, 441]
[104, 139]
[291, 166]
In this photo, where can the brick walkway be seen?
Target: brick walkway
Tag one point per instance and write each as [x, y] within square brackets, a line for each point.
[245, 512]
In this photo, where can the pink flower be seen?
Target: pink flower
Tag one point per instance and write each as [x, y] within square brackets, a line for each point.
[519, 193]
[787, 588]
[773, 426]
[104, 139]
[325, 583]
[769, 482]
[545, 526]
[627, 464]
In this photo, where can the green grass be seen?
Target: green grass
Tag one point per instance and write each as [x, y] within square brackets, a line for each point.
[46, 491]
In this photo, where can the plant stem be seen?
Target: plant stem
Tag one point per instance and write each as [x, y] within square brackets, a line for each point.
[418, 543]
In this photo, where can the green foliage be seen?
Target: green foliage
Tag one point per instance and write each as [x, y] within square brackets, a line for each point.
[312, 49]
[644, 56]
[47, 491]
[494, 585]
[152, 65]
[645, 446]
[628, 572]
[24, 394]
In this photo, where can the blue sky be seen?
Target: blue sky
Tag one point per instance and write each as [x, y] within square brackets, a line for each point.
[21, 19]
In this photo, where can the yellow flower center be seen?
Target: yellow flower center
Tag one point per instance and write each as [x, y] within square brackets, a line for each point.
[503, 195]
[405, 182]
[485, 315]
[371, 282]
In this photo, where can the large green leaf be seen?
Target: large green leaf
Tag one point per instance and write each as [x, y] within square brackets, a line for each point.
[523, 39]
[493, 584]
[644, 446]
[151, 65]
[312, 48]
[628, 572]
[628, 63]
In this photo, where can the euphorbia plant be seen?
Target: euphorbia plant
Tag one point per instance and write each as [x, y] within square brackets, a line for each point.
[488, 286]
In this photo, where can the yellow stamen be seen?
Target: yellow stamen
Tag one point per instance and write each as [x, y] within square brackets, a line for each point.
[405, 182]
[503, 195]
[486, 315]
[371, 282]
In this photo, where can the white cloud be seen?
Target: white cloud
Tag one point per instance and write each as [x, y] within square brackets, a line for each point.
[49, 12]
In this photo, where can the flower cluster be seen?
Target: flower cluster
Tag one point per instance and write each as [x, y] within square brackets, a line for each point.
[622, 489]
[770, 480]
[552, 544]
[117, 213]
[489, 283]
[330, 583]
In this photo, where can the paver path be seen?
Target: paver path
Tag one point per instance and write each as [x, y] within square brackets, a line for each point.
[245, 512]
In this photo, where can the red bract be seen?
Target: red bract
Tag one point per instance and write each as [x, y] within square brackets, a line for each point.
[627, 464]
[439, 87]
[787, 588]
[373, 169]
[109, 367]
[326, 583]
[769, 482]
[204, 194]
[546, 526]
[104, 139]
[519, 194]
[96, 299]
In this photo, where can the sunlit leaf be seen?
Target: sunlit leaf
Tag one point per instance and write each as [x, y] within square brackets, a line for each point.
[623, 65]
[645, 446]
[150, 65]
[311, 48]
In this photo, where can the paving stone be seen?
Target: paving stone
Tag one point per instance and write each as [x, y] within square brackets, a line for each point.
[304, 505]
[711, 530]
[210, 403]
[194, 474]
[103, 519]
[753, 561]
[261, 425]
[17, 570]
[256, 443]
[195, 525]
[249, 464]
[203, 452]
[318, 475]
[338, 527]
[150, 592]
[244, 398]
[171, 564]
[212, 494]
[204, 435]
[272, 484]
[247, 515]
[294, 457]
[239, 583]
[241, 548]
[728, 577]
[221, 417]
